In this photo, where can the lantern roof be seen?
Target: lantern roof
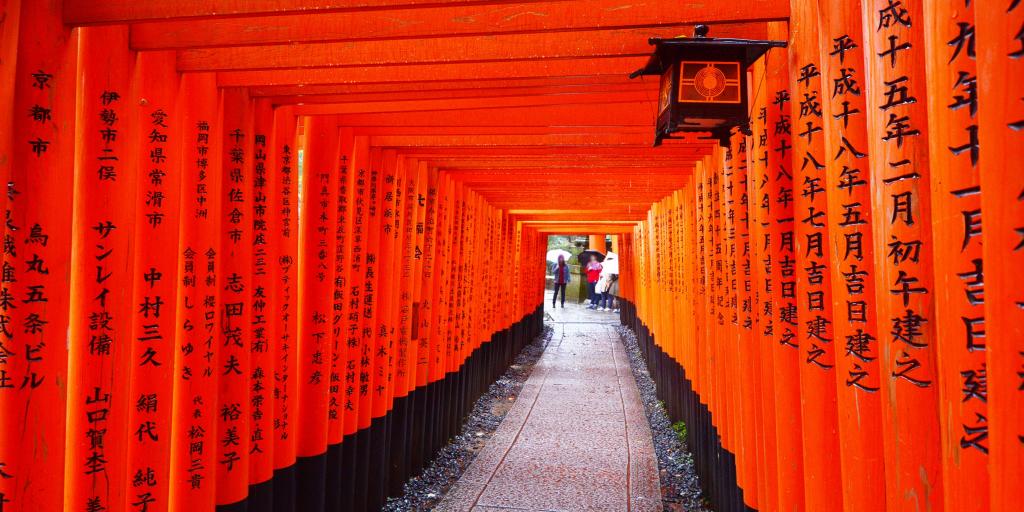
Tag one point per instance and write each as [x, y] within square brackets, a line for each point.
[667, 51]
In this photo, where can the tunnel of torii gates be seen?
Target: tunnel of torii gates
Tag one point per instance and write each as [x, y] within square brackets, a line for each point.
[264, 255]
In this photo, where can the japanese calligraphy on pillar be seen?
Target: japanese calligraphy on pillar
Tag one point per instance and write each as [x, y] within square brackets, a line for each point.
[340, 402]
[957, 230]
[458, 219]
[101, 311]
[263, 296]
[743, 269]
[814, 294]
[851, 265]
[764, 310]
[431, 243]
[442, 267]
[371, 388]
[316, 275]
[778, 248]
[36, 256]
[155, 281]
[897, 127]
[391, 222]
[356, 367]
[284, 162]
[1000, 120]
[407, 251]
[193, 441]
[822, 487]
[235, 282]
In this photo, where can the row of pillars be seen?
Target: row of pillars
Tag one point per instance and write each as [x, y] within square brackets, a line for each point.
[198, 289]
[843, 287]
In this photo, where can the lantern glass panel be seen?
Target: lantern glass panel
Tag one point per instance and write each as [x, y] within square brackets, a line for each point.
[665, 90]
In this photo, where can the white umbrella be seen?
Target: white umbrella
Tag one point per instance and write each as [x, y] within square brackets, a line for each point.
[553, 255]
[610, 263]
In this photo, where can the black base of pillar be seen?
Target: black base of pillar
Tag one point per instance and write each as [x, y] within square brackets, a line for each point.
[398, 447]
[261, 497]
[332, 498]
[362, 470]
[310, 482]
[284, 489]
[348, 471]
[367, 467]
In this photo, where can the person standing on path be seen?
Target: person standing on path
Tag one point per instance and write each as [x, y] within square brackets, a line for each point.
[562, 278]
[609, 277]
[593, 274]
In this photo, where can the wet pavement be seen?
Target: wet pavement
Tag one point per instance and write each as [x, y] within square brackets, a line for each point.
[576, 438]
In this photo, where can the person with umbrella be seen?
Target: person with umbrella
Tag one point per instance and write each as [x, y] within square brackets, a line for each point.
[593, 274]
[562, 278]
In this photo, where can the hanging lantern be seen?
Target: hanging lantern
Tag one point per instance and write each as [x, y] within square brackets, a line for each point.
[703, 83]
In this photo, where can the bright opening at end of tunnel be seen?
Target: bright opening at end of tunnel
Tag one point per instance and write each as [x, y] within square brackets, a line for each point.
[480, 255]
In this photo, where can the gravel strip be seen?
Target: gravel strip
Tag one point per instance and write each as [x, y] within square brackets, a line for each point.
[680, 486]
[425, 491]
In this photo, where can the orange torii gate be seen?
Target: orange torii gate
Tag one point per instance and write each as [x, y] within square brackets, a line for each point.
[253, 251]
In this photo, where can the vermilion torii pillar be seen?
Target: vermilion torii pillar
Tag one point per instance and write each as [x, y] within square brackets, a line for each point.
[156, 148]
[283, 160]
[744, 309]
[777, 248]
[813, 248]
[316, 276]
[39, 162]
[263, 305]
[897, 115]
[757, 173]
[949, 36]
[102, 309]
[848, 190]
[193, 446]
[235, 308]
[1000, 61]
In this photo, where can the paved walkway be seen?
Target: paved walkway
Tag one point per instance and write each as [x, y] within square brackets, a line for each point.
[576, 438]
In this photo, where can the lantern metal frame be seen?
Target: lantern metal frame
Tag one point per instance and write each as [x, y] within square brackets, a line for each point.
[717, 118]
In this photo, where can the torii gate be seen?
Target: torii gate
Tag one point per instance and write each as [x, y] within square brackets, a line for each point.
[243, 243]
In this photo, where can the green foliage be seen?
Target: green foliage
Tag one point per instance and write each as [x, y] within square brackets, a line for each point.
[574, 244]
[680, 429]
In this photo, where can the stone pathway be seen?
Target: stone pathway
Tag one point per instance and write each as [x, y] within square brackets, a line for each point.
[576, 438]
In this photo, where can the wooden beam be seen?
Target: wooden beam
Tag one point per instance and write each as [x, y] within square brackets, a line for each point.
[619, 66]
[608, 222]
[616, 114]
[445, 21]
[639, 193]
[631, 98]
[493, 130]
[370, 97]
[602, 213]
[462, 85]
[443, 50]
[92, 12]
[505, 163]
[556, 139]
[514, 175]
[584, 228]
[665, 151]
